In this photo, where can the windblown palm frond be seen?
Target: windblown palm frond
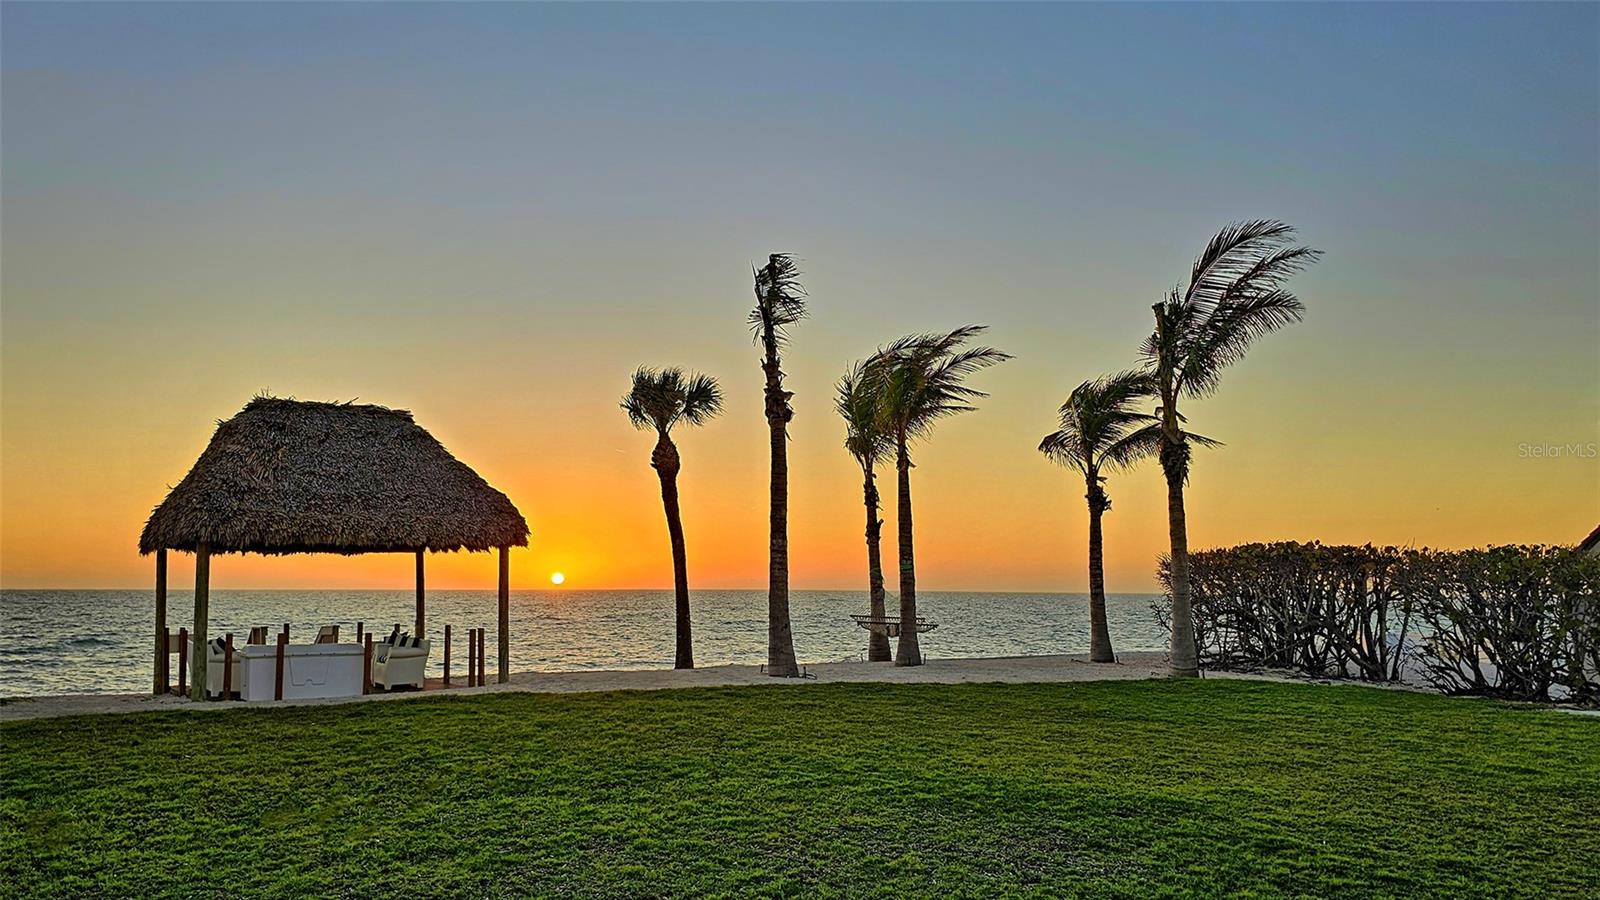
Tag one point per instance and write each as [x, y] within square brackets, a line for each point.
[1235, 295]
[1146, 441]
[780, 300]
[1099, 424]
[919, 379]
[857, 404]
[660, 398]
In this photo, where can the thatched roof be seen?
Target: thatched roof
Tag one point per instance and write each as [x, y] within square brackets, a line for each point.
[1591, 544]
[290, 476]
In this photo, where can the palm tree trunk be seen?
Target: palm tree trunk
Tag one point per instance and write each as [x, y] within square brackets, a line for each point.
[780, 636]
[909, 651]
[877, 643]
[1185, 662]
[1099, 633]
[1174, 455]
[666, 462]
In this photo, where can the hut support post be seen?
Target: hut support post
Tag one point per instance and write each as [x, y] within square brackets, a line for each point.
[202, 613]
[421, 595]
[504, 675]
[183, 661]
[277, 683]
[160, 682]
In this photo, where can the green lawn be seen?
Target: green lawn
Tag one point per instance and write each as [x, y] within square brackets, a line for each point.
[1113, 788]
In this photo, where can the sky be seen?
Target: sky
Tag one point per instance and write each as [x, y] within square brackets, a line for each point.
[491, 214]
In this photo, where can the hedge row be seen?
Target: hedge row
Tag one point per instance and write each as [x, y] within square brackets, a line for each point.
[1519, 622]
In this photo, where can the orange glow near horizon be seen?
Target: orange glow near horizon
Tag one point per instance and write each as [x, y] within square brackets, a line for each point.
[991, 513]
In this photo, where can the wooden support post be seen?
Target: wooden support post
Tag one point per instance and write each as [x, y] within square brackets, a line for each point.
[160, 676]
[504, 675]
[447, 656]
[366, 665]
[183, 661]
[360, 630]
[472, 656]
[277, 686]
[227, 666]
[483, 655]
[286, 631]
[202, 614]
[164, 674]
[421, 595]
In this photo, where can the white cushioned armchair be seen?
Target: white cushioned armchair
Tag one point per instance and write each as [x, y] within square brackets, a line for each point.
[403, 663]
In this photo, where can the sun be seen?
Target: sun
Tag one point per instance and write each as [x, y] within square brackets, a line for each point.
[557, 578]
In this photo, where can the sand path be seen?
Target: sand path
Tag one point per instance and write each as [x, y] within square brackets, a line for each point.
[937, 671]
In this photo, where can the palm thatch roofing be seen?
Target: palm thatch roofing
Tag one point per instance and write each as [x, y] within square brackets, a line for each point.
[1591, 544]
[292, 476]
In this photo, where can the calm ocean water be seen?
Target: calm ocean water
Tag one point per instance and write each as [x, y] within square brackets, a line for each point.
[102, 641]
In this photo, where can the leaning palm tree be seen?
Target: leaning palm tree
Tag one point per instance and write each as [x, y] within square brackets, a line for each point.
[1235, 294]
[780, 303]
[1100, 431]
[660, 400]
[918, 380]
[867, 444]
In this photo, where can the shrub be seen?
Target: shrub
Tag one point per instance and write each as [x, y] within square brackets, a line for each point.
[1516, 621]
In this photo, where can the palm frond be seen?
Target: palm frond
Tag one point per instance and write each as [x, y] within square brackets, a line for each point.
[1096, 418]
[659, 398]
[780, 300]
[1231, 254]
[1146, 442]
[1235, 295]
[920, 379]
[857, 403]
[702, 399]
[1229, 331]
[1132, 447]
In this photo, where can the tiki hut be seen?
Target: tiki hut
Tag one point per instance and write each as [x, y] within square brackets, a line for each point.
[291, 476]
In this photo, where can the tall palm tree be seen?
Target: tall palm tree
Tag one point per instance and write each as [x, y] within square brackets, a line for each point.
[918, 380]
[868, 444]
[1234, 295]
[660, 400]
[1100, 431]
[780, 303]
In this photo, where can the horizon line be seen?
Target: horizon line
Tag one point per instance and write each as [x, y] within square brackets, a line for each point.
[214, 590]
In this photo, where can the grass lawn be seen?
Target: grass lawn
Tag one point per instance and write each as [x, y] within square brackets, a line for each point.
[1111, 788]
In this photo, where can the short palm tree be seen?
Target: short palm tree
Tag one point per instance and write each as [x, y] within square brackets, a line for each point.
[780, 303]
[1234, 295]
[1101, 430]
[919, 380]
[868, 444]
[659, 400]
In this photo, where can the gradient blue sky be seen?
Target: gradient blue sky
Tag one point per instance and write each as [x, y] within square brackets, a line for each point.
[492, 213]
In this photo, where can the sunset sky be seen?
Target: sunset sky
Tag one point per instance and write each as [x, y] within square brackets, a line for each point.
[491, 214]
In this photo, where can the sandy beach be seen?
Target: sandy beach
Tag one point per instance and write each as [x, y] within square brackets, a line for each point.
[1063, 668]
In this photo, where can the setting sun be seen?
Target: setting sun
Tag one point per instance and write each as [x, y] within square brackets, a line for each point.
[557, 578]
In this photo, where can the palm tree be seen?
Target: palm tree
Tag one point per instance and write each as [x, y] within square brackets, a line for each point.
[1100, 430]
[867, 444]
[919, 380]
[660, 400]
[780, 303]
[1234, 295]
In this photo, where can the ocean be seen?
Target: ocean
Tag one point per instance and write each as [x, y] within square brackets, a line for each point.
[102, 641]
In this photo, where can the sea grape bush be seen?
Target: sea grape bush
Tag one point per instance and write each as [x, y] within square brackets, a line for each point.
[1519, 622]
